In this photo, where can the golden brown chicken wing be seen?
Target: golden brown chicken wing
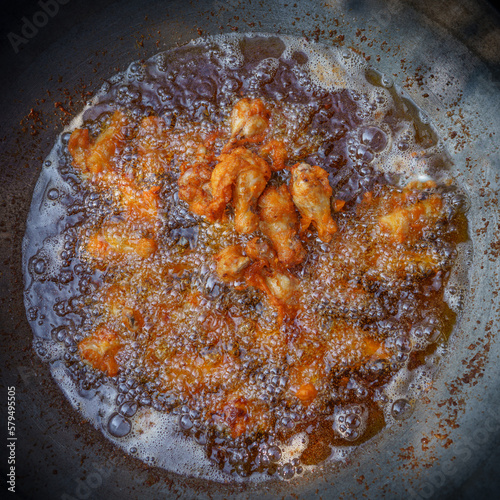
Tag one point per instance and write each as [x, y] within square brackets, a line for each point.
[95, 158]
[279, 285]
[224, 177]
[249, 186]
[231, 262]
[259, 249]
[280, 223]
[276, 150]
[194, 187]
[311, 194]
[249, 118]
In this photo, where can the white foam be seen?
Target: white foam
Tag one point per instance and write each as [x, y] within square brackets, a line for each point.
[155, 435]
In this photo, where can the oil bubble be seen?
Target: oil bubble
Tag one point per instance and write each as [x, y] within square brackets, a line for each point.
[374, 138]
[128, 409]
[387, 81]
[274, 453]
[118, 425]
[39, 266]
[401, 409]
[364, 154]
[287, 471]
[185, 423]
[53, 194]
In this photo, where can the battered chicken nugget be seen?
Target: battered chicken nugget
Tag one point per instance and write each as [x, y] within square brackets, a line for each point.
[311, 194]
[280, 223]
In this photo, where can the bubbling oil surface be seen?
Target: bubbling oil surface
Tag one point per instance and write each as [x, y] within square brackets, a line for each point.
[330, 110]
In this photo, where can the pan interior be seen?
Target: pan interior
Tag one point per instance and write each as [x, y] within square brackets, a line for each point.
[54, 283]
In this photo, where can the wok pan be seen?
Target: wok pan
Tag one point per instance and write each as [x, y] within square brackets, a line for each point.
[446, 57]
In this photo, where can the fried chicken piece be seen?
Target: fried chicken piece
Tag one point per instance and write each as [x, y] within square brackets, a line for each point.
[249, 118]
[101, 247]
[343, 348]
[278, 284]
[152, 154]
[79, 148]
[249, 186]
[240, 414]
[194, 188]
[349, 346]
[338, 205]
[100, 349]
[231, 262]
[224, 177]
[276, 150]
[140, 204]
[279, 222]
[259, 249]
[280, 287]
[95, 158]
[115, 240]
[311, 194]
[377, 247]
[121, 305]
[403, 221]
[391, 263]
[152, 135]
